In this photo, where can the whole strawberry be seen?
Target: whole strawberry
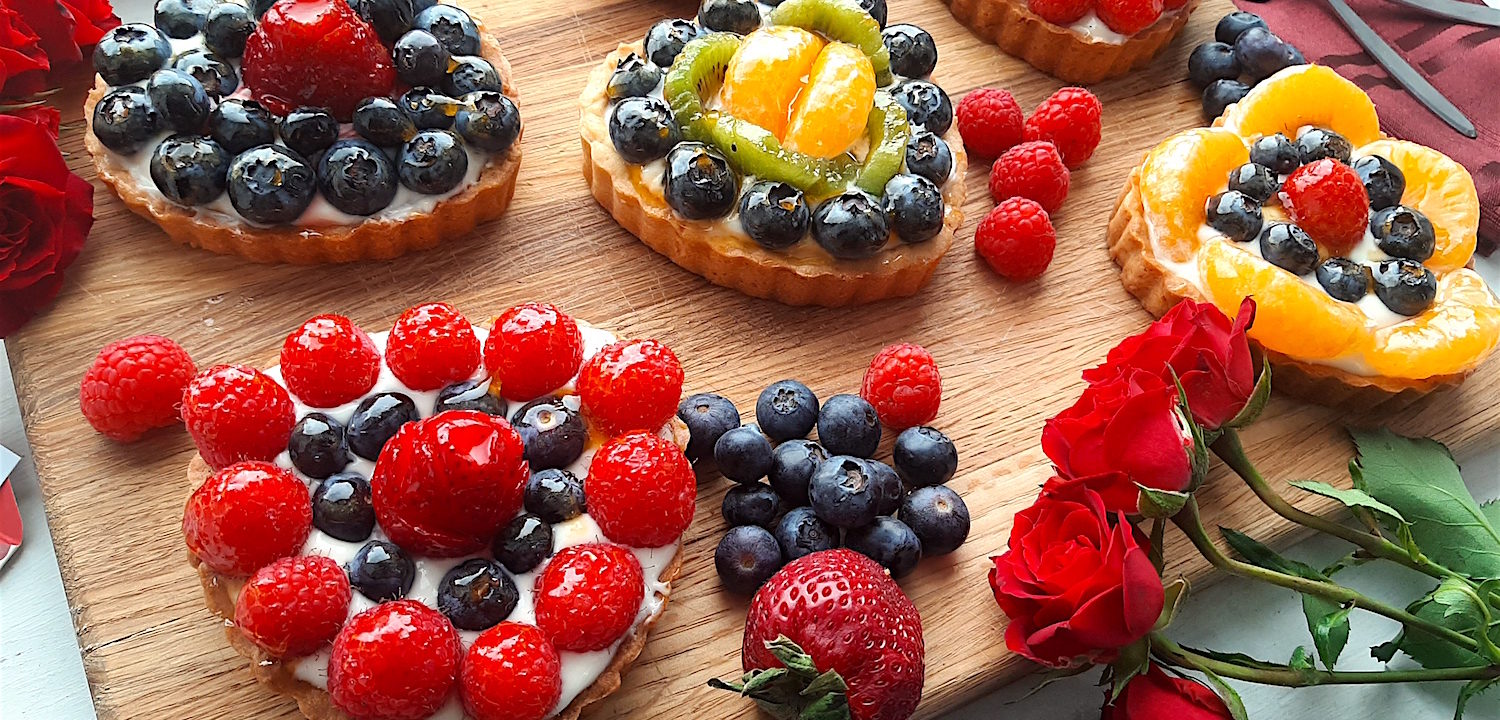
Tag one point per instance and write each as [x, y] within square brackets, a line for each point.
[588, 595]
[631, 385]
[319, 53]
[1069, 119]
[904, 386]
[431, 345]
[641, 490]
[834, 610]
[533, 350]
[135, 385]
[1329, 201]
[234, 413]
[511, 672]
[395, 661]
[246, 516]
[329, 361]
[1033, 170]
[294, 605]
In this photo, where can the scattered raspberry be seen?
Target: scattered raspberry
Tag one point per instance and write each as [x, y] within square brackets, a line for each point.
[904, 386]
[445, 485]
[318, 53]
[247, 515]
[1032, 170]
[329, 361]
[1059, 12]
[1068, 119]
[135, 385]
[1016, 239]
[510, 672]
[294, 605]
[1129, 17]
[395, 661]
[588, 595]
[641, 490]
[631, 385]
[430, 346]
[534, 349]
[1329, 201]
[989, 119]
[234, 413]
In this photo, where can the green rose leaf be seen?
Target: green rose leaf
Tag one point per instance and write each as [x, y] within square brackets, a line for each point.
[1327, 621]
[1453, 604]
[1471, 690]
[1350, 498]
[1491, 511]
[1176, 591]
[1161, 503]
[1258, 398]
[1300, 659]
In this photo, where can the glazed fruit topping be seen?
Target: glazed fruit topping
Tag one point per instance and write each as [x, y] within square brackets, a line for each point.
[1327, 199]
[928, 155]
[181, 19]
[1275, 152]
[913, 52]
[130, 53]
[641, 490]
[1256, 181]
[699, 183]
[269, 184]
[588, 596]
[511, 672]
[534, 349]
[914, 207]
[1235, 214]
[329, 361]
[1314, 144]
[452, 27]
[477, 594]
[736, 16]
[433, 162]
[851, 226]
[642, 129]
[180, 100]
[1129, 17]
[234, 413]
[1288, 247]
[316, 52]
[1384, 182]
[124, 120]
[469, 395]
[489, 120]
[238, 125]
[376, 420]
[633, 77]
[666, 39]
[420, 59]
[293, 606]
[774, 214]
[227, 29]
[1403, 232]
[245, 516]
[382, 571]
[523, 543]
[217, 77]
[554, 495]
[317, 448]
[554, 432]
[430, 346]
[342, 507]
[357, 177]
[396, 660]
[1344, 279]
[1405, 286]
[308, 130]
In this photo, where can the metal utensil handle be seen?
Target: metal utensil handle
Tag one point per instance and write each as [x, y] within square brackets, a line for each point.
[1455, 10]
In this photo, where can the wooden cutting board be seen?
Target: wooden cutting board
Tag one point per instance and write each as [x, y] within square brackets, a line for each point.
[1010, 354]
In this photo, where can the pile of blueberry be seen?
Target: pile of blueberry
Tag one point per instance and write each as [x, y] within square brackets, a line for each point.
[823, 494]
[207, 142]
[1243, 49]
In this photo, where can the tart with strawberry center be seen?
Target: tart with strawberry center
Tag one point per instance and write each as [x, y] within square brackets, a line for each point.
[437, 521]
[794, 152]
[306, 131]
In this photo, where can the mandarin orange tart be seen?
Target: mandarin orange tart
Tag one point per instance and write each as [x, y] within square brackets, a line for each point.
[794, 152]
[1356, 247]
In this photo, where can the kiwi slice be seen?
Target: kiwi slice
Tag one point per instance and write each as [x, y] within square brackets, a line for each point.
[842, 20]
[888, 131]
[696, 72]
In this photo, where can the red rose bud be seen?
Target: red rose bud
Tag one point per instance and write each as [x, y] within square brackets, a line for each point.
[1158, 695]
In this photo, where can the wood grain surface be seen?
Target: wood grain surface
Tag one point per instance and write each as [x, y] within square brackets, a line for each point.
[1010, 354]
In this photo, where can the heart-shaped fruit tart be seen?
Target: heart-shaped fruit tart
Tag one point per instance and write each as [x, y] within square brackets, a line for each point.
[794, 152]
[439, 522]
[1355, 247]
[306, 131]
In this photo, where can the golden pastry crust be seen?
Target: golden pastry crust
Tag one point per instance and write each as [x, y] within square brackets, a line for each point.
[803, 275]
[486, 199]
[1058, 51]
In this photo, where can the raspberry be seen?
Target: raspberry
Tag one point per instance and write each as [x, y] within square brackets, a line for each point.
[904, 386]
[1129, 17]
[445, 485]
[641, 490]
[511, 672]
[329, 361]
[234, 413]
[631, 385]
[135, 385]
[318, 53]
[989, 119]
[588, 595]
[1032, 170]
[1016, 239]
[247, 515]
[1059, 12]
[1068, 119]
[294, 605]
[395, 661]
[430, 346]
[1329, 201]
[534, 349]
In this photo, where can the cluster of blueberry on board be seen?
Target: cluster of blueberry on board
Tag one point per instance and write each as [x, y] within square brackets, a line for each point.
[1243, 48]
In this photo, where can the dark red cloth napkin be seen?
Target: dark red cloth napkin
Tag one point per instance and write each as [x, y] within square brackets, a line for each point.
[1461, 61]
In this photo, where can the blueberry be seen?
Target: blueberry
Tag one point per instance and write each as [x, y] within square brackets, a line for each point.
[928, 155]
[382, 122]
[125, 120]
[1261, 53]
[708, 417]
[357, 177]
[420, 59]
[227, 28]
[428, 109]
[753, 504]
[554, 495]
[217, 77]
[1233, 25]
[774, 214]
[1275, 152]
[914, 206]
[633, 77]
[666, 38]
[452, 27]
[190, 169]
[736, 16]
[342, 508]
[876, 8]
[181, 19]
[477, 594]
[792, 466]
[700, 185]
[851, 226]
[785, 410]
[1344, 279]
[746, 558]
[270, 184]
[642, 129]
[433, 162]
[375, 420]
[743, 454]
[1384, 182]
[130, 53]
[390, 18]
[800, 532]
[523, 543]
[1221, 94]
[843, 493]
[553, 432]
[913, 52]
[889, 542]
[1256, 181]
[1405, 286]
[381, 571]
[925, 456]
[886, 485]
[489, 120]
[417, 6]
[1403, 232]
[1288, 247]
[469, 395]
[1212, 61]
[926, 104]
[239, 125]
[1316, 143]
[471, 73]
[179, 99]
[939, 518]
[309, 130]
[1235, 214]
[848, 425]
[317, 446]
[258, 8]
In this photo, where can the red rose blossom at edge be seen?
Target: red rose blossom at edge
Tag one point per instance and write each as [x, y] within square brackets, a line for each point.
[1157, 695]
[23, 65]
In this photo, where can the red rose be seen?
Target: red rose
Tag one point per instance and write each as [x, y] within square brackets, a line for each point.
[23, 65]
[44, 115]
[91, 19]
[1207, 350]
[1076, 582]
[45, 214]
[1157, 695]
[64, 30]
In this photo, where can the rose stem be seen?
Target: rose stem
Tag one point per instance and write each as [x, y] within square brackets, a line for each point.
[1170, 651]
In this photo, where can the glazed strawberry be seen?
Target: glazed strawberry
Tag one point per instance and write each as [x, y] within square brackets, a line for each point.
[1069, 119]
[840, 611]
[395, 661]
[1328, 200]
[247, 515]
[316, 53]
[631, 385]
[1059, 12]
[234, 413]
[641, 490]
[533, 350]
[990, 121]
[588, 595]
[294, 605]
[1032, 170]
[904, 386]
[445, 485]
[511, 672]
[135, 385]
[1129, 17]
[329, 361]
[430, 346]
[1016, 239]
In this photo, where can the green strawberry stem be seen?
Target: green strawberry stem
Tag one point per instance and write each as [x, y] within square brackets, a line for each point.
[1168, 651]
[795, 691]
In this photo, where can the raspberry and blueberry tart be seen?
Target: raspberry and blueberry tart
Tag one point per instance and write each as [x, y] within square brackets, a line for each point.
[1356, 247]
[796, 151]
[441, 521]
[306, 131]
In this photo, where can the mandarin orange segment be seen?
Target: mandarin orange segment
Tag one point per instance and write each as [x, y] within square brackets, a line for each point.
[833, 108]
[1178, 177]
[767, 73]
[1291, 316]
[1305, 95]
[1442, 190]
[1453, 336]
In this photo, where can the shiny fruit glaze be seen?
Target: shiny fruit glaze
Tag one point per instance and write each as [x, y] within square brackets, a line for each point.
[813, 96]
[318, 53]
